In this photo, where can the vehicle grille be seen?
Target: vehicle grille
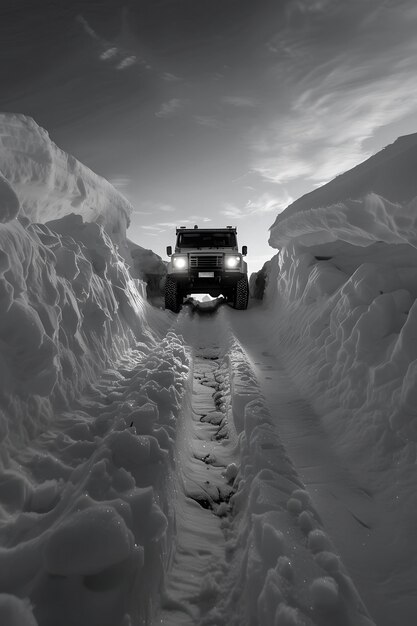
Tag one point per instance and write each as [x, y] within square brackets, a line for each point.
[206, 261]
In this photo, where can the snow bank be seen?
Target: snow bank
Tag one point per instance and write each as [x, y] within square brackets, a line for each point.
[15, 612]
[90, 386]
[390, 173]
[69, 308]
[148, 266]
[50, 183]
[87, 506]
[343, 292]
[359, 222]
[10, 205]
[40, 181]
[257, 282]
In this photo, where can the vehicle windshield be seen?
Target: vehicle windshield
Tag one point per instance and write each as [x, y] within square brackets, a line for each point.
[207, 239]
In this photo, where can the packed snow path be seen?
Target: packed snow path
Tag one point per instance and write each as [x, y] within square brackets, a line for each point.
[215, 559]
[206, 447]
[356, 521]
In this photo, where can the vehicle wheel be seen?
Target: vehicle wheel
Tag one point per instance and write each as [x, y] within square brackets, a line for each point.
[173, 297]
[241, 294]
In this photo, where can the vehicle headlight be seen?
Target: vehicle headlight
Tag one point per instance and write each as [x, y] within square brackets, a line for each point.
[179, 262]
[232, 261]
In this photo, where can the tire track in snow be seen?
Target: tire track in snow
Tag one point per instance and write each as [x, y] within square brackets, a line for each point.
[268, 561]
[211, 429]
[206, 449]
[349, 512]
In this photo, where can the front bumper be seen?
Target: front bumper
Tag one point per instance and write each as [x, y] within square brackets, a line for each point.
[213, 282]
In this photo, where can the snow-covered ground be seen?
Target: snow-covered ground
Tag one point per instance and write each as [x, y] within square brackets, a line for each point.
[219, 467]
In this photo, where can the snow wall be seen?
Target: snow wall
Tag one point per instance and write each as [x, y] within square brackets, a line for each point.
[343, 291]
[48, 182]
[90, 382]
[42, 182]
[69, 305]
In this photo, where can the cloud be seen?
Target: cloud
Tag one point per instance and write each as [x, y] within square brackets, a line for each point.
[198, 218]
[153, 208]
[127, 62]
[120, 182]
[168, 224]
[163, 226]
[118, 55]
[240, 101]
[268, 203]
[265, 203]
[309, 6]
[231, 210]
[339, 104]
[170, 108]
[108, 54]
[159, 227]
[326, 134]
[170, 78]
[90, 31]
[207, 120]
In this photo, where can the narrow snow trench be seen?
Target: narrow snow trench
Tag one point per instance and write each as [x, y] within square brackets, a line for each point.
[206, 446]
[350, 513]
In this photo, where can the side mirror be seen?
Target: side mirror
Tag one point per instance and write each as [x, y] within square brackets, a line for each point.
[169, 250]
[244, 250]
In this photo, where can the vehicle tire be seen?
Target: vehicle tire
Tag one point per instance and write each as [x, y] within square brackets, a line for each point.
[241, 294]
[173, 297]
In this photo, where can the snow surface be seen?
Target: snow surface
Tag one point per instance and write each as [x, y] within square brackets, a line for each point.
[346, 275]
[163, 469]
[42, 182]
[343, 292]
[49, 182]
[89, 393]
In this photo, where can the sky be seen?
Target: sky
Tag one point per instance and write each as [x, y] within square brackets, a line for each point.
[212, 112]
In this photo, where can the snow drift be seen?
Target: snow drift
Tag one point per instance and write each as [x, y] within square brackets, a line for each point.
[344, 290]
[49, 182]
[90, 386]
[66, 294]
[40, 181]
[341, 308]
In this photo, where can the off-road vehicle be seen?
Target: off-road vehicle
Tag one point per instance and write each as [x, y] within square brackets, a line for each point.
[206, 260]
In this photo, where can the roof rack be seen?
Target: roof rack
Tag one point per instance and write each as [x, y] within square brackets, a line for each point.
[213, 228]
